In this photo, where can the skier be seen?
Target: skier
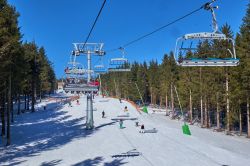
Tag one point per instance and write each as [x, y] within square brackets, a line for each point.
[120, 100]
[125, 109]
[103, 114]
[77, 102]
[121, 123]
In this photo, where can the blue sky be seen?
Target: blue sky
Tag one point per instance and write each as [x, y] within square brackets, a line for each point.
[56, 24]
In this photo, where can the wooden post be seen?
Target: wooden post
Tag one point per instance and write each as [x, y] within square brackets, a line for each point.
[8, 112]
[202, 112]
[206, 120]
[166, 104]
[248, 118]
[227, 102]
[151, 93]
[160, 101]
[28, 102]
[240, 118]
[19, 104]
[25, 101]
[191, 106]
[201, 100]
[3, 106]
[217, 112]
[172, 98]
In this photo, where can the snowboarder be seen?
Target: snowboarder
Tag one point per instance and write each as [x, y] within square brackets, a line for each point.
[142, 128]
[125, 109]
[103, 114]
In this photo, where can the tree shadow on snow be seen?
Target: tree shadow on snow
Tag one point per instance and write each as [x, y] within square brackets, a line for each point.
[51, 163]
[98, 160]
[105, 124]
[116, 162]
[14, 163]
[35, 133]
[90, 162]
[38, 115]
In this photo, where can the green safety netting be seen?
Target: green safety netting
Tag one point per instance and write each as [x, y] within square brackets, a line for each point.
[185, 129]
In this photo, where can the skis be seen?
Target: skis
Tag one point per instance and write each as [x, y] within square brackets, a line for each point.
[126, 115]
[132, 153]
[149, 131]
[123, 118]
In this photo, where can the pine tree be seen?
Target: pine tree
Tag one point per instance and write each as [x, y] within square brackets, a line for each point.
[244, 55]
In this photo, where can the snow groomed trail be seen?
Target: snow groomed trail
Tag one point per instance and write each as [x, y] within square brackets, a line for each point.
[57, 136]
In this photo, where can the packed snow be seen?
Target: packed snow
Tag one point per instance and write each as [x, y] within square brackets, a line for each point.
[57, 136]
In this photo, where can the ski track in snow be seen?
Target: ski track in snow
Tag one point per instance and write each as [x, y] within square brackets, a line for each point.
[57, 136]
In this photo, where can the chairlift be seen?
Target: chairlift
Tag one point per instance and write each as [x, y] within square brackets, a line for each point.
[75, 69]
[120, 64]
[188, 47]
[100, 68]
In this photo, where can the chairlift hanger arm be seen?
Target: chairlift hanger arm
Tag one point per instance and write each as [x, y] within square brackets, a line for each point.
[208, 6]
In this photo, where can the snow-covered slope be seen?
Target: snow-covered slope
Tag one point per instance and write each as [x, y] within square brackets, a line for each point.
[57, 136]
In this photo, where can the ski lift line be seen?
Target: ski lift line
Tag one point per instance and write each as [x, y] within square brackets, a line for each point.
[162, 27]
[99, 13]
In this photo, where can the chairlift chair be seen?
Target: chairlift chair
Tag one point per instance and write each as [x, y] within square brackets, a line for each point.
[187, 46]
[75, 68]
[119, 64]
[100, 68]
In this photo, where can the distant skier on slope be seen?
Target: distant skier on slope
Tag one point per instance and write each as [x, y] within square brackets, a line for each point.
[121, 124]
[142, 128]
[103, 114]
[126, 109]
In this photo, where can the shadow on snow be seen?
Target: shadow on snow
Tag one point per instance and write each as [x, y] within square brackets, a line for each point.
[35, 133]
[98, 160]
[51, 163]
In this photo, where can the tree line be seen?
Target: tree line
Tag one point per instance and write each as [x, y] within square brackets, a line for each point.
[25, 71]
[216, 96]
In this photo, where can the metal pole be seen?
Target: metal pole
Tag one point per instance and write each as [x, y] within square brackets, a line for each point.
[89, 119]
[89, 65]
[178, 100]
[100, 89]
[139, 93]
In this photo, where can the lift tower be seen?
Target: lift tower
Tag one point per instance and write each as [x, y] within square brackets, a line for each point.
[88, 49]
